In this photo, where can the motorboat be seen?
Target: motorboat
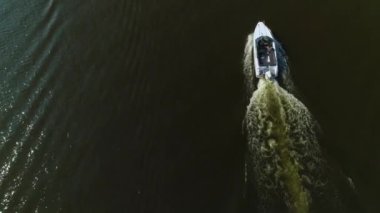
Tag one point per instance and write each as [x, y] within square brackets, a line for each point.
[264, 53]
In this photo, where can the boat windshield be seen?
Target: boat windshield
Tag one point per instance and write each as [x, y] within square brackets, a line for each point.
[266, 52]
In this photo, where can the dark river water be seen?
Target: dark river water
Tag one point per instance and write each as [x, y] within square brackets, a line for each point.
[137, 105]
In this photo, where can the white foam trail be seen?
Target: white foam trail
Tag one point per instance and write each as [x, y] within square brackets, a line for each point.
[284, 156]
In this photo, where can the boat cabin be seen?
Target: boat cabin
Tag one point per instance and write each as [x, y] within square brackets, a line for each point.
[265, 51]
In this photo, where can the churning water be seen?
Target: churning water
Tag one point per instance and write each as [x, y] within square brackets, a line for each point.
[283, 149]
[285, 165]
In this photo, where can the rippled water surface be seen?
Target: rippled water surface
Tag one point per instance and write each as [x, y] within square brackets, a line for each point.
[137, 105]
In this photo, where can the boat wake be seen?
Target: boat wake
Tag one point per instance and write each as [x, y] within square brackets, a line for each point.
[284, 156]
[286, 171]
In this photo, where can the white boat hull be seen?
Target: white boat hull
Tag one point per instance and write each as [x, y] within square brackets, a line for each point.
[265, 56]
